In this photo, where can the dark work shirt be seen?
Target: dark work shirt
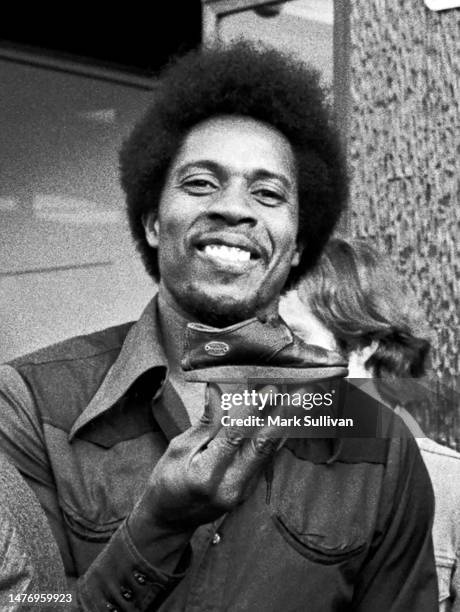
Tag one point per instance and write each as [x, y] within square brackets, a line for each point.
[85, 422]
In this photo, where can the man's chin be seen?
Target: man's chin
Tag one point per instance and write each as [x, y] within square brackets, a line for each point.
[219, 310]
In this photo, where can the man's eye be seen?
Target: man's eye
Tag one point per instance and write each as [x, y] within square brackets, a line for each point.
[269, 196]
[199, 186]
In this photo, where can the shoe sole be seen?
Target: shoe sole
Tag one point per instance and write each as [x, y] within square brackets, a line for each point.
[269, 374]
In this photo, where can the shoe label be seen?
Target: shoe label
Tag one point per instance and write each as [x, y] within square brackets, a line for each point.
[216, 348]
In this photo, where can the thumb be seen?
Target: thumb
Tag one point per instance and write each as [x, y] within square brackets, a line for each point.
[212, 413]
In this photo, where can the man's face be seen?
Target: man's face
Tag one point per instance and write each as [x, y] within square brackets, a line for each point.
[227, 223]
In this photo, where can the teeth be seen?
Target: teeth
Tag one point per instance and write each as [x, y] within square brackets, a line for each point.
[222, 251]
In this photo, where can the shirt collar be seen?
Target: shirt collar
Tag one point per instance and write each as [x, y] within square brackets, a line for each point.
[141, 351]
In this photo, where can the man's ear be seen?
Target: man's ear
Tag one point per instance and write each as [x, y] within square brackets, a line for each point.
[295, 260]
[152, 229]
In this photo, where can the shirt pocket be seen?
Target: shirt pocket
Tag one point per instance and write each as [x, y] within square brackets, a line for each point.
[318, 547]
[86, 539]
[326, 513]
[88, 531]
[97, 488]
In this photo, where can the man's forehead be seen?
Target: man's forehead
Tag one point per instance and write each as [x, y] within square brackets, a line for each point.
[241, 142]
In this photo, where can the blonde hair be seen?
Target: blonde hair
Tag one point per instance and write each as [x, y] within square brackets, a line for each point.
[355, 292]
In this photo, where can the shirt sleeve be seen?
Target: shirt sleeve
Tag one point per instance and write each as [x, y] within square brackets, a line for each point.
[21, 432]
[31, 571]
[456, 585]
[399, 574]
[121, 578]
[125, 575]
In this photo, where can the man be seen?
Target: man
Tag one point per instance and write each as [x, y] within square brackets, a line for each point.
[234, 181]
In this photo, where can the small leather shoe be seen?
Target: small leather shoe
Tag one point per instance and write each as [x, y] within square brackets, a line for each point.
[253, 349]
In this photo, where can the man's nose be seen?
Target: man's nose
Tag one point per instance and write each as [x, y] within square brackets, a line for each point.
[233, 204]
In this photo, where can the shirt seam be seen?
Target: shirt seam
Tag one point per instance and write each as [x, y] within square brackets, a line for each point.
[41, 363]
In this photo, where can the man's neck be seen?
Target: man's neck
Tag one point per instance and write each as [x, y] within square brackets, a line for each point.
[174, 320]
[173, 323]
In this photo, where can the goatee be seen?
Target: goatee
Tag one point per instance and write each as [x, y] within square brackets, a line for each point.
[218, 312]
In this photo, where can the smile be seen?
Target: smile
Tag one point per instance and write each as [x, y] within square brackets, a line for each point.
[230, 251]
[227, 253]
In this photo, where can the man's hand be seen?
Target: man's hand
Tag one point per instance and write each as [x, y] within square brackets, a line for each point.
[207, 470]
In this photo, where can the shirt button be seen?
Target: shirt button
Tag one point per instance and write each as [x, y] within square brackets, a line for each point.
[127, 594]
[111, 607]
[140, 578]
[216, 538]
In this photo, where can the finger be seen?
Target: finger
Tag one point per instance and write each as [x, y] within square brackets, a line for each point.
[240, 465]
[224, 439]
[227, 442]
[244, 421]
[209, 423]
[211, 417]
[252, 443]
[250, 459]
[265, 446]
[238, 424]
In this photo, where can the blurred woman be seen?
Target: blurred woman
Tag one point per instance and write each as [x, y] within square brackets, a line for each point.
[31, 569]
[352, 301]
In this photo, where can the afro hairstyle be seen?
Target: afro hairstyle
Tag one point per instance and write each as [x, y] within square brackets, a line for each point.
[245, 80]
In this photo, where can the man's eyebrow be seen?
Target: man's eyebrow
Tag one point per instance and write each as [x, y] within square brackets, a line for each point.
[258, 173]
[267, 174]
[204, 164]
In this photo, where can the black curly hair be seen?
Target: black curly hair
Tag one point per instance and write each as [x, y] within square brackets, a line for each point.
[245, 80]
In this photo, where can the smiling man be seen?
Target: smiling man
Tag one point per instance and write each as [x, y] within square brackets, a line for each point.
[226, 230]
[234, 181]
